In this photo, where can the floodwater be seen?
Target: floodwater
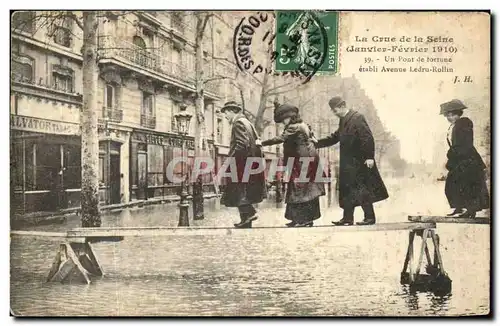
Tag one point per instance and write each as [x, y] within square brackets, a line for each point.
[291, 272]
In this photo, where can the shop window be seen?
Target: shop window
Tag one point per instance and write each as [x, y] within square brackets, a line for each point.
[62, 78]
[24, 21]
[155, 165]
[47, 167]
[169, 156]
[16, 165]
[72, 166]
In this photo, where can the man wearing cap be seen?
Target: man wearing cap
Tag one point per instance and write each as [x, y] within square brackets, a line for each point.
[360, 183]
[243, 146]
[465, 187]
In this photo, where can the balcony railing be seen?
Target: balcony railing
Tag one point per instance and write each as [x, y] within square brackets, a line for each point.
[112, 114]
[178, 71]
[148, 121]
[111, 47]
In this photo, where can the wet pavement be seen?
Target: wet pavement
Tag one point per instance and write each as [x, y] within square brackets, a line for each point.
[250, 274]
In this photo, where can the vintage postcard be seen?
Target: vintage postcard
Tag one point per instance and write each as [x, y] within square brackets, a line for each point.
[250, 163]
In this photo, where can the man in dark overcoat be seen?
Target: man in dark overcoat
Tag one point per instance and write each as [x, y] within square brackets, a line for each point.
[243, 193]
[360, 183]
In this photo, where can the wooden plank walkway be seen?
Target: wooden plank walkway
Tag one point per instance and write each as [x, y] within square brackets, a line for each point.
[113, 233]
[43, 234]
[447, 219]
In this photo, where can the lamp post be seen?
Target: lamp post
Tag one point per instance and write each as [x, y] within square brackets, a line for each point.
[183, 120]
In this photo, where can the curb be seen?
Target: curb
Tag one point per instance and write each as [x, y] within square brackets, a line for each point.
[61, 216]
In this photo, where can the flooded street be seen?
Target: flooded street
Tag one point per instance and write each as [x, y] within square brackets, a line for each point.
[282, 273]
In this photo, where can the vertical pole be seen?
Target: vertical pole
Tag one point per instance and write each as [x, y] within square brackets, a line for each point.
[278, 181]
[108, 170]
[424, 236]
[410, 257]
[34, 166]
[183, 205]
[61, 193]
[24, 176]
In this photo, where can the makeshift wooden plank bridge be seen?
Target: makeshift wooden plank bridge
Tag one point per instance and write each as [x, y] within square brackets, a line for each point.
[76, 252]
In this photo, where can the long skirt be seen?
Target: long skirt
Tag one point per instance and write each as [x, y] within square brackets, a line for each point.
[303, 212]
[467, 190]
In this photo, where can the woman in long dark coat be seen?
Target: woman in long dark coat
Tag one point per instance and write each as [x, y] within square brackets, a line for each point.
[302, 197]
[466, 183]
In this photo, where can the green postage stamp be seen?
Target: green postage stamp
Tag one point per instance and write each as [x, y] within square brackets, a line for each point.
[307, 41]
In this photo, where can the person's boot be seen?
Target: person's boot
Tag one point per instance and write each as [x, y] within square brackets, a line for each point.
[343, 222]
[456, 212]
[246, 223]
[467, 214]
[366, 221]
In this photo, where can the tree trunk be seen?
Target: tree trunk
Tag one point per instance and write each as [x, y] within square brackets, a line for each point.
[198, 213]
[88, 117]
[259, 117]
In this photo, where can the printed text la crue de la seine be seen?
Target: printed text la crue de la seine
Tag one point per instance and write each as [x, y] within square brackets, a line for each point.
[405, 53]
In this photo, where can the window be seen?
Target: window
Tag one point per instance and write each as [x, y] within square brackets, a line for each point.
[219, 130]
[43, 166]
[101, 171]
[139, 42]
[148, 118]
[24, 21]
[22, 68]
[72, 166]
[62, 32]
[176, 56]
[62, 79]
[147, 104]
[155, 165]
[110, 96]
[174, 121]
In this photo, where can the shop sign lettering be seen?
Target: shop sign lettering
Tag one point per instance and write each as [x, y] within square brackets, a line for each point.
[18, 122]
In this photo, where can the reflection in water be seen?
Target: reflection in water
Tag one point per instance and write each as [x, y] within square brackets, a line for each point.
[439, 303]
[411, 297]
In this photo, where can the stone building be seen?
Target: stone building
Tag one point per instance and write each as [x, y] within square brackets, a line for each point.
[146, 63]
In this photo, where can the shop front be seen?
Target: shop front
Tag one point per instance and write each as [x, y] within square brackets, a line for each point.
[150, 155]
[46, 165]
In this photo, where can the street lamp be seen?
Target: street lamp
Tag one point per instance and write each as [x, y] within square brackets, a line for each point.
[183, 120]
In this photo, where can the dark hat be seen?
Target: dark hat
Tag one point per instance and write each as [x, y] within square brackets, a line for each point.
[284, 111]
[230, 104]
[452, 105]
[335, 102]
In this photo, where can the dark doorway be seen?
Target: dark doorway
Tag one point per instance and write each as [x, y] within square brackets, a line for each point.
[114, 177]
[142, 175]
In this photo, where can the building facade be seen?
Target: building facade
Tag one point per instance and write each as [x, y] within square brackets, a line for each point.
[146, 75]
